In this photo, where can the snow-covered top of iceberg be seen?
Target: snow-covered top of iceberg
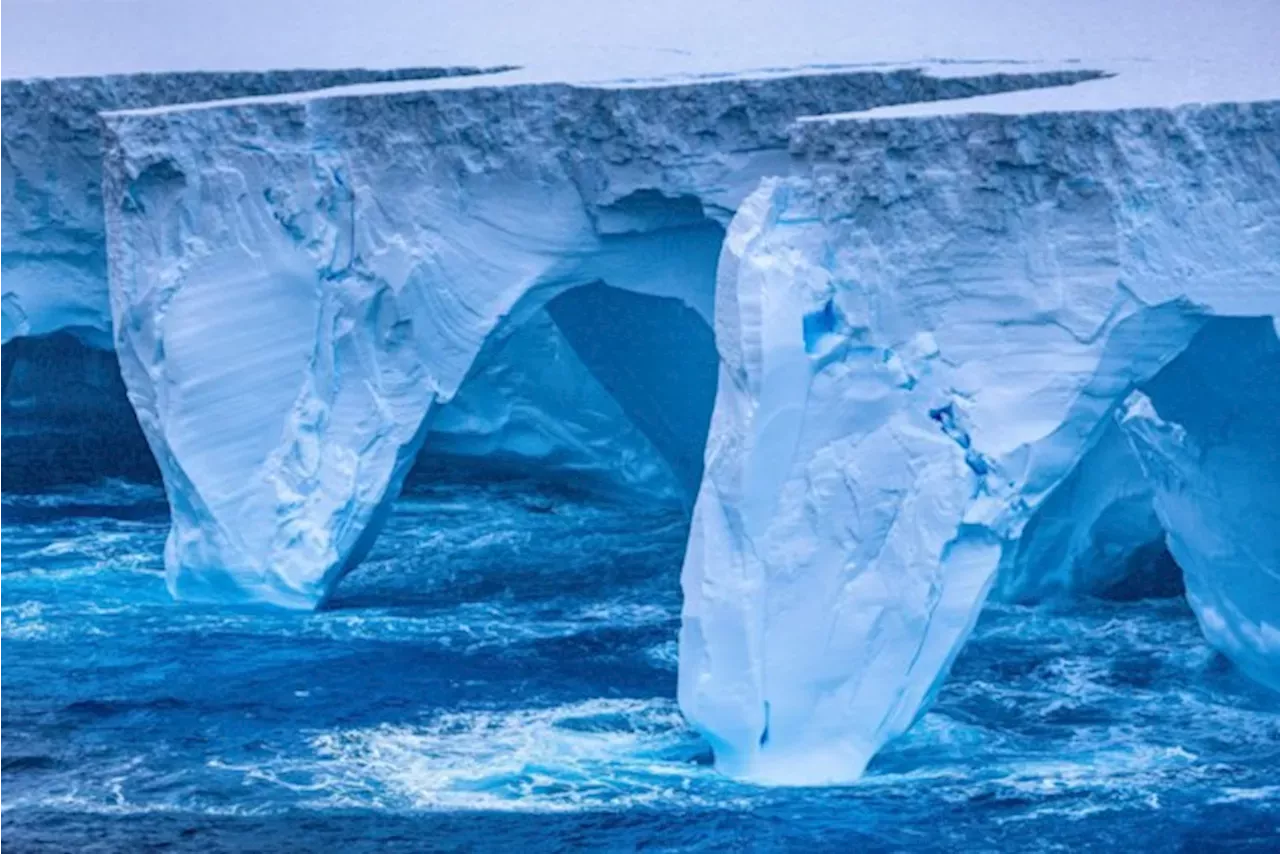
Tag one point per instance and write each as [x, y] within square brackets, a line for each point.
[523, 79]
[1126, 85]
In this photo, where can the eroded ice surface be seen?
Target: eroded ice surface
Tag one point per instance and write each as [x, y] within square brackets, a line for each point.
[54, 258]
[924, 338]
[355, 249]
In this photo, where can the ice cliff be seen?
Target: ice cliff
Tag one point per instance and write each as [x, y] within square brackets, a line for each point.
[356, 249]
[54, 258]
[65, 411]
[1014, 336]
[941, 342]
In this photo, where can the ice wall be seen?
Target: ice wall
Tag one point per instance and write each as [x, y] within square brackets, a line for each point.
[297, 282]
[66, 415]
[54, 240]
[925, 339]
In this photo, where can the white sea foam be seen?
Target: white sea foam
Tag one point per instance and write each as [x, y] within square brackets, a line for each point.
[23, 622]
[595, 754]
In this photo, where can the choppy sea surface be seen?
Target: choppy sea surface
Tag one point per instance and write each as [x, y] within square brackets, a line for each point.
[500, 675]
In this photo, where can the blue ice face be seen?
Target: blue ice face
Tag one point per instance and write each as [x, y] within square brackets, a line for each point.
[892, 361]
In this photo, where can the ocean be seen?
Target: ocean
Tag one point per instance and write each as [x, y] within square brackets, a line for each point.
[500, 675]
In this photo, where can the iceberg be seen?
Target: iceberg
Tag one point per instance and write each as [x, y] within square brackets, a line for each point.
[930, 338]
[900, 339]
[300, 283]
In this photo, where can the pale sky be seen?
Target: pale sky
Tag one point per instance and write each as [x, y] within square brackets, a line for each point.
[59, 37]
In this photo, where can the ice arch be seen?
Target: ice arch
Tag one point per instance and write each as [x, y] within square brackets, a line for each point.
[335, 387]
[607, 390]
[925, 350]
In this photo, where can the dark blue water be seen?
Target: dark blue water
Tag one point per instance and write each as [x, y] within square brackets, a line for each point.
[501, 674]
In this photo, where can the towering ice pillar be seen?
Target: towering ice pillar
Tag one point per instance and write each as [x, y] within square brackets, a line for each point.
[924, 338]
